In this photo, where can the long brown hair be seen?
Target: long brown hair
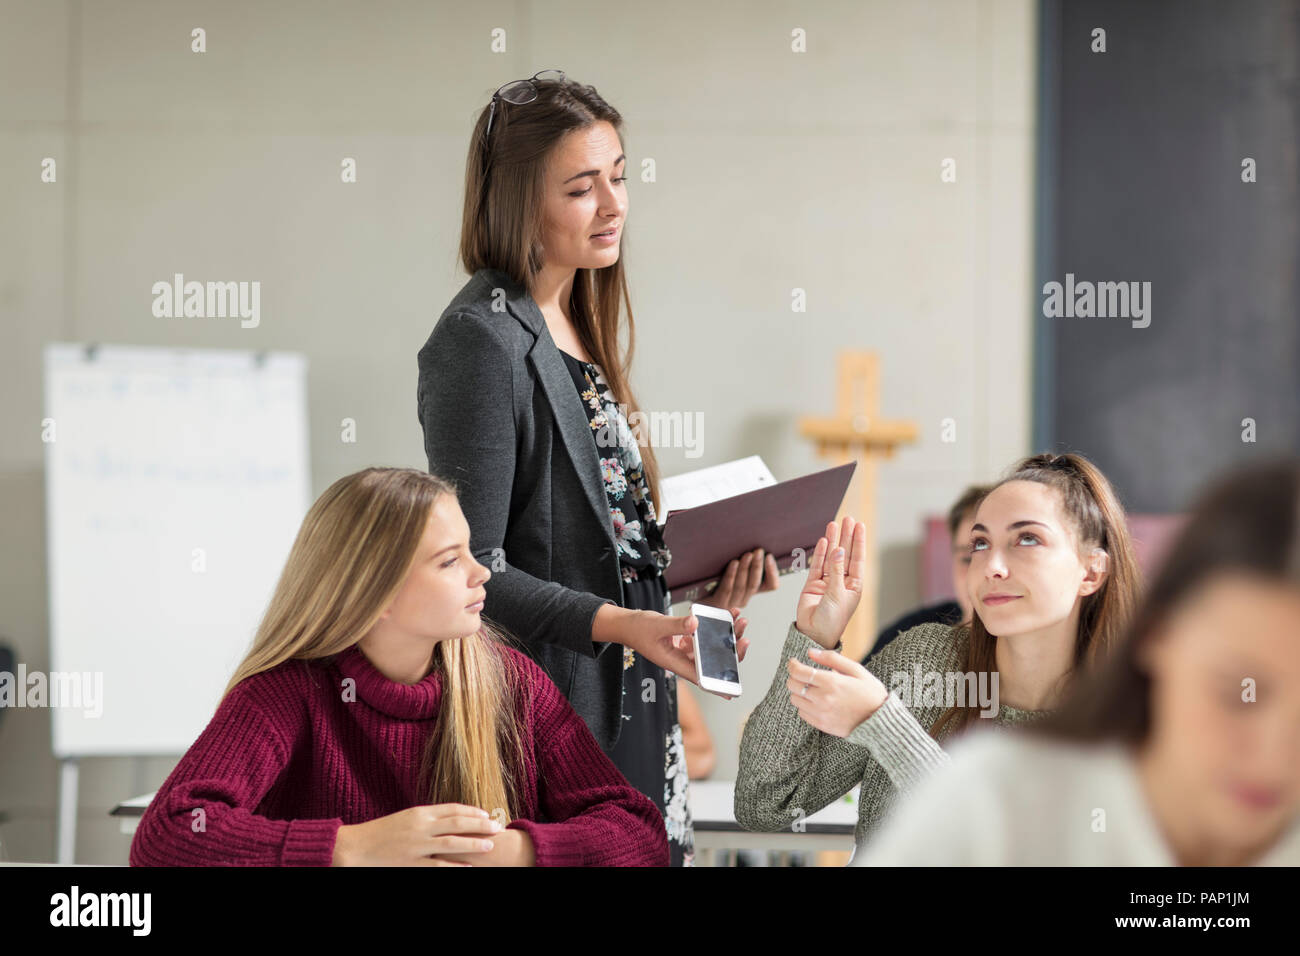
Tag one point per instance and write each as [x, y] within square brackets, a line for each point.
[503, 221]
[1091, 505]
[351, 556]
[1247, 521]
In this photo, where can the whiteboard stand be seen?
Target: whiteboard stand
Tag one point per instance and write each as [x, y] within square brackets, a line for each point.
[67, 846]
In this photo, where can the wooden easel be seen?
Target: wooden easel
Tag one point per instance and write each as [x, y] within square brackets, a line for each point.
[857, 431]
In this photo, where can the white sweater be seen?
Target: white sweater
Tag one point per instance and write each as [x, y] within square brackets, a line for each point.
[1012, 799]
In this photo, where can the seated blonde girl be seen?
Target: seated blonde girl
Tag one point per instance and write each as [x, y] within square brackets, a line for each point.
[378, 719]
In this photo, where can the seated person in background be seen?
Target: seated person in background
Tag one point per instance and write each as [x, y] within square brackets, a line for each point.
[1184, 750]
[1054, 580]
[701, 757]
[960, 518]
[378, 719]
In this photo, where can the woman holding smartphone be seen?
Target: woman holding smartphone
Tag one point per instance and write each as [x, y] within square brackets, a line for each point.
[1184, 750]
[1052, 581]
[379, 719]
[526, 404]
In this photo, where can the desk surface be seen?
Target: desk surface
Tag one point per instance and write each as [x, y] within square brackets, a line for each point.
[712, 802]
[711, 809]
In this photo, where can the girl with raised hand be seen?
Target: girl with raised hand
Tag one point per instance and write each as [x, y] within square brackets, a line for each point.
[1052, 581]
[1184, 749]
[379, 719]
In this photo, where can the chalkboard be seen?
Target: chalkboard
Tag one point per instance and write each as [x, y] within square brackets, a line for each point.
[175, 484]
[1170, 158]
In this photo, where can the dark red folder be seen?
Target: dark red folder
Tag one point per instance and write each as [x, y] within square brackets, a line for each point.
[779, 519]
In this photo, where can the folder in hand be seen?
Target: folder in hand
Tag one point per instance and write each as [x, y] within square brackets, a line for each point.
[784, 519]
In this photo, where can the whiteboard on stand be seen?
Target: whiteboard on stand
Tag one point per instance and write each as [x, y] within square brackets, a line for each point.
[176, 480]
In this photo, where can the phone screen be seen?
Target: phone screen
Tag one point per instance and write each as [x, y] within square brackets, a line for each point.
[717, 649]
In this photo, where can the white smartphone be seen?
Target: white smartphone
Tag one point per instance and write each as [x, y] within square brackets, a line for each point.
[717, 668]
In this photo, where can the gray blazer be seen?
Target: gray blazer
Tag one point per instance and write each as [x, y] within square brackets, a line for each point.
[503, 421]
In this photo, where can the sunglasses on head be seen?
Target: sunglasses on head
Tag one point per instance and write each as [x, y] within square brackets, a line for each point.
[519, 92]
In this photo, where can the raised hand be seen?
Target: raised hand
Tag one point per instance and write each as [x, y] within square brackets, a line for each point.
[833, 589]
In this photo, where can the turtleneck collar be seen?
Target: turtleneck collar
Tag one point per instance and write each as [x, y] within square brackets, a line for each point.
[403, 701]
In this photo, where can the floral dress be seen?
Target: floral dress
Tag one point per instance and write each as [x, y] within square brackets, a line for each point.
[649, 749]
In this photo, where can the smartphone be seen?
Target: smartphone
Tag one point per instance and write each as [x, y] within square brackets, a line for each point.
[717, 668]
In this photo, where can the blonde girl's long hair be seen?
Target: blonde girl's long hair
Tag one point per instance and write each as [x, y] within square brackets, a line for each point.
[350, 558]
[1091, 505]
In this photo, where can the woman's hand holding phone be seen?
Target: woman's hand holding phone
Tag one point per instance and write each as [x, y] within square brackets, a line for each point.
[666, 640]
[717, 677]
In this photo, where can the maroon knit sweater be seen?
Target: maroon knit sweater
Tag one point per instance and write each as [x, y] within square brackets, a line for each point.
[286, 760]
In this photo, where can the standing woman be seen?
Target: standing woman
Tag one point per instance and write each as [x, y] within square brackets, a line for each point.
[525, 403]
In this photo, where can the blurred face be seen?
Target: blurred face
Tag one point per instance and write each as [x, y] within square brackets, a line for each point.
[961, 562]
[442, 596]
[585, 195]
[1234, 761]
[1025, 572]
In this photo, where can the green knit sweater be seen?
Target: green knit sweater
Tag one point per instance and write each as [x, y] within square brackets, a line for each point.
[789, 769]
